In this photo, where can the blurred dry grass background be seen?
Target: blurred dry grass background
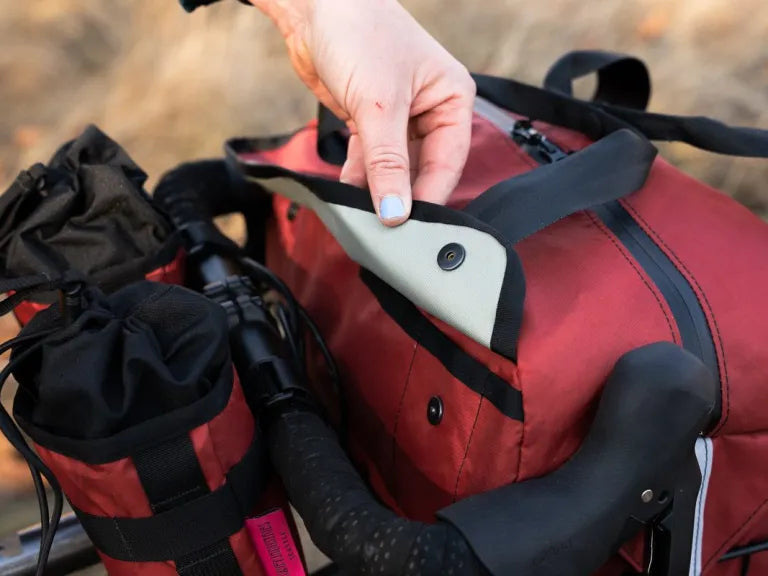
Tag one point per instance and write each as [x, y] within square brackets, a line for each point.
[171, 86]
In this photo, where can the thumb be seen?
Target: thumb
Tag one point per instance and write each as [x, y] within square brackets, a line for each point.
[383, 131]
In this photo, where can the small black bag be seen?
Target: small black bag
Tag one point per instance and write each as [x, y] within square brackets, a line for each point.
[86, 210]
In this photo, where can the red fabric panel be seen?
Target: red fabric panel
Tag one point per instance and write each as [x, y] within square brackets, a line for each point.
[222, 442]
[758, 564]
[171, 273]
[718, 245]
[493, 434]
[442, 450]
[219, 445]
[736, 512]
[120, 568]
[112, 489]
[26, 310]
[575, 327]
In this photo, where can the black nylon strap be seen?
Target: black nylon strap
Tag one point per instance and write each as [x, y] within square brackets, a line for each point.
[217, 559]
[170, 474]
[621, 80]
[612, 168]
[597, 120]
[552, 107]
[331, 137]
[182, 532]
[699, 131]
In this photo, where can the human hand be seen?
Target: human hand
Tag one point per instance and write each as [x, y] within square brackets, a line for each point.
[406, 100]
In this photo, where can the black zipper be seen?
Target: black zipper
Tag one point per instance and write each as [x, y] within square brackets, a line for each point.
[686, 309]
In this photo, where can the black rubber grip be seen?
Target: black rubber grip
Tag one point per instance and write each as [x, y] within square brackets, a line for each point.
[344, 519]
[654, 406]
[194, 193]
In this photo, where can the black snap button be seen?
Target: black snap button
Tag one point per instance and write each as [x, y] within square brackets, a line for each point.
[451, 256]
[293, 209]
[435, 410]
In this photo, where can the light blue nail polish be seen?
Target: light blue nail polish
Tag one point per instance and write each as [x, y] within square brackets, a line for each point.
[391, 207]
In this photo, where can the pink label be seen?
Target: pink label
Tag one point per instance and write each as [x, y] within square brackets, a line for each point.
[274, 544]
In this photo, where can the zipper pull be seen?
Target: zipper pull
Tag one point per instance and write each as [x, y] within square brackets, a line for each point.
[535, 143]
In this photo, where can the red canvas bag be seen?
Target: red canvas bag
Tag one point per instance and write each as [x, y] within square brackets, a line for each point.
[474, 340]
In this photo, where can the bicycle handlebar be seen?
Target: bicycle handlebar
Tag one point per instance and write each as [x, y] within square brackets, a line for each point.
[656, 402]
[343, 517]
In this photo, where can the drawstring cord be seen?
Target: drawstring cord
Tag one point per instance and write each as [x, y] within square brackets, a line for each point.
[70, 284]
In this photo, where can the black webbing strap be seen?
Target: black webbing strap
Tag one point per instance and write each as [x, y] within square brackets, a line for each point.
[171, 476]
[621, 80]
[609, 169]
[699, 131]
[552, 107]
[331, 137]
[597, 120]
[191, 524]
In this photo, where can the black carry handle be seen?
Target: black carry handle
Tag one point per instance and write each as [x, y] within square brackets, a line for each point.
[656, 403]
[609, 169]
[205, 189]
[622, 80]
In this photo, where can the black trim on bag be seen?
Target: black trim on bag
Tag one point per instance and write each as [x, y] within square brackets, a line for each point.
[470, 372]
[185, 529]
[675, 289]
[129, 441]
[509, 309]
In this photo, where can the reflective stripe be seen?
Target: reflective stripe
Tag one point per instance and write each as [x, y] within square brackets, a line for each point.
[705, 455]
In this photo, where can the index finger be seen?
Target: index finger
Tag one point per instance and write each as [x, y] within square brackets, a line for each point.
[444, 150]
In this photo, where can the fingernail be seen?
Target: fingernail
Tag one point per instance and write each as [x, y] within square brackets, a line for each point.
[391, 207]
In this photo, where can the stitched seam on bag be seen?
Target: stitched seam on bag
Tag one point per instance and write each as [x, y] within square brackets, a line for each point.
[393, 471]
[172, 498]
[639, 273]
[726, 543]
[215, 451]
[682, 265]
[469, 443]
[204, 559]
[522, 445]
[122, 537]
